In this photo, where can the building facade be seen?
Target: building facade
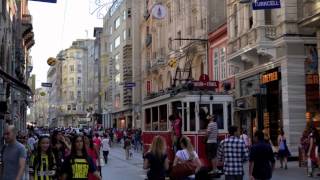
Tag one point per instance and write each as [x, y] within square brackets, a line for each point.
[16, 39]
[120, 63]
[273, 54]
[40, 108]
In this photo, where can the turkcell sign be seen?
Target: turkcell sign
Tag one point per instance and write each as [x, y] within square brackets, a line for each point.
[47, 1]
[266, 4]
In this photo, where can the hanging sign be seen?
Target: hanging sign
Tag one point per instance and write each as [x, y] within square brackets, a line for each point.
[159, 11]
[266, 4]
[47, 1]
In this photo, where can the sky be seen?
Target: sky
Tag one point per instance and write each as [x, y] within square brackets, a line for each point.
[57, 25]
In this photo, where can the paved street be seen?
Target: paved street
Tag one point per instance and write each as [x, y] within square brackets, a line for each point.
[120, 169]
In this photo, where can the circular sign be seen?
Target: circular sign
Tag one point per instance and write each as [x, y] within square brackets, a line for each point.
[51, 61]
[159, 11]
[172, 63]
[42, 93]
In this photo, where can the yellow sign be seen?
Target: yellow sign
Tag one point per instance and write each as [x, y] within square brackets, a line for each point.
[266, 78]
[172, 63]
[51, 61]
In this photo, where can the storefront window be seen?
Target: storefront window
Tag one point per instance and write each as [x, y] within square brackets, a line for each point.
[155, 120]
[217, 111]
[148, 119]
[204, 111]
[163, 117]
[192, 116]
[249, 86]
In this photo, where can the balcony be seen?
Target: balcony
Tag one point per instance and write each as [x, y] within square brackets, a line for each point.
[310, 13]
[27, 28]
[258, 39]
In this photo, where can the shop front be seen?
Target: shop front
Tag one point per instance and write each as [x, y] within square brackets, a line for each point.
[122, 120]
[260, 104]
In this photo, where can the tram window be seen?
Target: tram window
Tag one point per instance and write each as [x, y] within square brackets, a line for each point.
[155, 120]
[229, 115]
[163, 118]
[204, 111]
[185, 117]
[148, 120]
[192, 116]
[217, 110]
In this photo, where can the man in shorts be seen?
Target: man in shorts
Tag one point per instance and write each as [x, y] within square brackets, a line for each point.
[212, 144]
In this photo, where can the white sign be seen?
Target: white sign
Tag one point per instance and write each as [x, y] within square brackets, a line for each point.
[159, 11]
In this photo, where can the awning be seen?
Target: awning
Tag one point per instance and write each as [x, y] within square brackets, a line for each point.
[15, 83]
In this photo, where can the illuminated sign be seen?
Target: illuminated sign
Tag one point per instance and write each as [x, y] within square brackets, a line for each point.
[266, 4]
[269, 77]
[312, 79]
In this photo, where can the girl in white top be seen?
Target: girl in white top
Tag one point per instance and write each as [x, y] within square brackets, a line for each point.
[187, 153]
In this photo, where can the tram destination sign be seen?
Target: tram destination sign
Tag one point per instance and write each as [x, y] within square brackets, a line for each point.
[265, 4]
[205, 85]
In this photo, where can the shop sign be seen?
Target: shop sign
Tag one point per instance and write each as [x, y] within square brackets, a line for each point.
[159, 11]
[269, 77]
[312, 79]
[47, 1]
[46, 84]
[266, 4]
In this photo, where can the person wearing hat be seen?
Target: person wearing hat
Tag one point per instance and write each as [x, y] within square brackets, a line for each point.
[212, 143]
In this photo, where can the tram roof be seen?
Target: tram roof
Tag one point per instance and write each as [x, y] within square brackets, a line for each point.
[189, 95]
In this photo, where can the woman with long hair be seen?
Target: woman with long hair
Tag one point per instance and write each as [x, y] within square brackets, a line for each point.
[283, 151]
[42, 162]
[78, 165]
[93, 152]
[187, 155]
[156, 159]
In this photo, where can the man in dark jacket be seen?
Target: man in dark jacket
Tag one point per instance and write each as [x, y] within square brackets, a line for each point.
[261, 159]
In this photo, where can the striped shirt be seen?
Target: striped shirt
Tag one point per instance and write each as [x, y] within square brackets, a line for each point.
[212, 132]
[41, 170]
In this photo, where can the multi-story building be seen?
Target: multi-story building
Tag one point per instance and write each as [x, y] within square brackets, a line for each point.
[121, 60]
[40, 107]
[277, 61]
[16, 39]
[54, 93]
[219, 69]
[77, 83]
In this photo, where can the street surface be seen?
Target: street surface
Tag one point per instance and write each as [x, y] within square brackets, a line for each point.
[120, 169]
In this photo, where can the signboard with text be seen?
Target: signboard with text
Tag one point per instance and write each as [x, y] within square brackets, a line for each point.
[265, 4]
[47, 1]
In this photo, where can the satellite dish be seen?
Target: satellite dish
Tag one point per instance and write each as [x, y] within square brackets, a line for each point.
[159, 11]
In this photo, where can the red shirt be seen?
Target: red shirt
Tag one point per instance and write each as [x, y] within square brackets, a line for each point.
[97, 142]
[177, 127]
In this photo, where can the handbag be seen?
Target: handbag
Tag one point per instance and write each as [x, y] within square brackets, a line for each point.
[183, 170]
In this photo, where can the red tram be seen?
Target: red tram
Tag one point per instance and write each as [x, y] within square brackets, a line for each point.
[193, 107]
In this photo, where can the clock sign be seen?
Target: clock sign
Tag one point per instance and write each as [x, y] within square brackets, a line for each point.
[159, 11]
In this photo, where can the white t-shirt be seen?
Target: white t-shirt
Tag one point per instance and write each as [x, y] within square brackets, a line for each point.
[245, 138]
[105, 144]
[184, 155]
[31, 143]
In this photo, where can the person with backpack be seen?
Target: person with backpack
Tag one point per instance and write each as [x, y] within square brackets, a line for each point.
[42, 162]
[78, 164]
[156, 159]
[283, 151]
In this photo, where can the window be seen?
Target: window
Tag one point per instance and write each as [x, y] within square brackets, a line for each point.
[117, 42]
[69, 107]
[111, 29]
[74, 107]
[118, 78]
[169, 14]
[79, 68]
[170, 43]
[235, 18]
[129, 33]
[71, 95]
[155, 118]
[72, 81]
[111, 47]
[79, 81]
[216, 64]
[193, 116]
[71, 68]
[178, 6]
[117, 23]
[204, 111]
[148, 119]
[124, 15]
[268, 17]
[124, 35]
[250, 17]
[79, 94]
[179, 37]
[217, 110]
[223, 63]
[163, 117]
[129, 13]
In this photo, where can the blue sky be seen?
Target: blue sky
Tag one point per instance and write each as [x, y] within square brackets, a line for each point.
[57, 25]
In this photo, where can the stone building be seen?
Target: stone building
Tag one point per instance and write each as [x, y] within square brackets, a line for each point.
[16, 39]
[121, 63]
[276, 58]
[40, 107]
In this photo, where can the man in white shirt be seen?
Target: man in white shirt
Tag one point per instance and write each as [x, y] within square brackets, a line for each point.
[31, 142]
[105, 147]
